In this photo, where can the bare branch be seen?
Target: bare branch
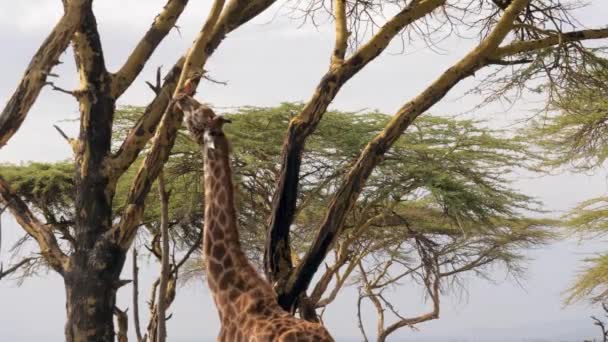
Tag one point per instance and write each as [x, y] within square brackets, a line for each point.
[164, 272]
[166, 132]
[49, 248]
[61, 90]
[136, 297]
[235, 14]
[15, 267]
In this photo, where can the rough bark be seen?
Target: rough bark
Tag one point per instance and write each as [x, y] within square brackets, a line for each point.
[91, 284]
[92, 279]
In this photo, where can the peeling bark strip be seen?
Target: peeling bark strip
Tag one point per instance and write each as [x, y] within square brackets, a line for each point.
[39, 68]
[373, 153]
[277, 256]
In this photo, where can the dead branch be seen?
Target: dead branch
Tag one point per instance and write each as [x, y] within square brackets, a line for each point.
[61, 90]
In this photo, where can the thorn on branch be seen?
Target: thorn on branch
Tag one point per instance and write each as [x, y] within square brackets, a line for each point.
[156, 87]
[71, 141]
[121, 282]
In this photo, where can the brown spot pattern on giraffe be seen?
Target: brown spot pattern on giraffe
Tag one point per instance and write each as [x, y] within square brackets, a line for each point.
[246, 303]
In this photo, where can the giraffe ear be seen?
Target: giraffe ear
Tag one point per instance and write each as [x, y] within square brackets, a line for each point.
[187, 104]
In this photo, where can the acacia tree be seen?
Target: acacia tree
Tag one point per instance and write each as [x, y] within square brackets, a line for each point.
[525, 39]
[531, 35]
[437, 208]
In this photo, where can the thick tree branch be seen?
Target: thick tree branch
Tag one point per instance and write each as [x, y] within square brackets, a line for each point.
[162, 25]
[39, 68]
[277, 256]
[136, 297]
[49, 248]
[373, 153]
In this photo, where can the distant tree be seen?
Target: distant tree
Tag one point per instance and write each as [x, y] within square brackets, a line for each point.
[438, 207]
[574, 136]
[519, 40]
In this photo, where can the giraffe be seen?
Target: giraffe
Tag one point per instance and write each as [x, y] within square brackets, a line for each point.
[246, 303]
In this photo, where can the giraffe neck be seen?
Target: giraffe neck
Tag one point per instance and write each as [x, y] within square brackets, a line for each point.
[228, 271]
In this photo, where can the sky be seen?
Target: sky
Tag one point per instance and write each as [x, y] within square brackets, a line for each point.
[268, 61]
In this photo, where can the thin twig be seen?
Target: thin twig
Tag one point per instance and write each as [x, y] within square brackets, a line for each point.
[136, 297]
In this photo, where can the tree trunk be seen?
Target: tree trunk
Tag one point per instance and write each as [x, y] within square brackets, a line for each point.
[91, 284]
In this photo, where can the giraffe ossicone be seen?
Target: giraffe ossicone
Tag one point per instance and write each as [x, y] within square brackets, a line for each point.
[246, 303]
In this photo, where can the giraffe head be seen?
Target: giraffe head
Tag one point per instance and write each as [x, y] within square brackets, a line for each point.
[201, 121]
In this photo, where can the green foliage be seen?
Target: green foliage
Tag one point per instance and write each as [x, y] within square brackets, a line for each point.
[592, 283]
[444, 179]
[49, 187]
[575, 136]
